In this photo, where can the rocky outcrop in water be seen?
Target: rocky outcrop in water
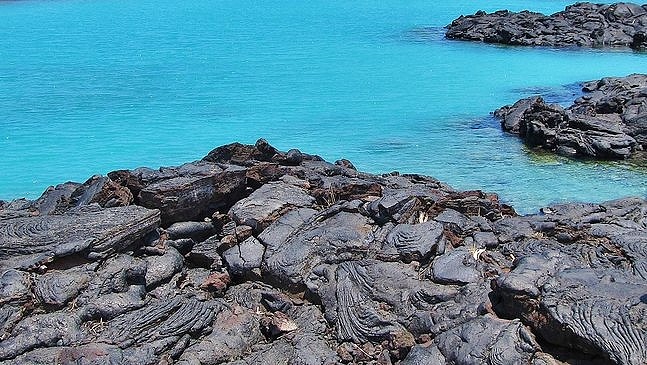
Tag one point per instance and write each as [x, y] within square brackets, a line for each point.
[608, 122]
[621, 25]
[257, 256]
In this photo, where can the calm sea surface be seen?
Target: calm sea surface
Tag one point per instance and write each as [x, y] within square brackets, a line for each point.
[95, 85]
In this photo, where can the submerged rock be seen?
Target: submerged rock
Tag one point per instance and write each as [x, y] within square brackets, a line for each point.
[608, 122]
[272, 257]
[579, 25]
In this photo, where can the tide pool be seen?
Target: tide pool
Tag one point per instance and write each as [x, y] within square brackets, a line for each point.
[97, 85]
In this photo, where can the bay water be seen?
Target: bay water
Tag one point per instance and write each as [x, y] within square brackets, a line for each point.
[90, 86]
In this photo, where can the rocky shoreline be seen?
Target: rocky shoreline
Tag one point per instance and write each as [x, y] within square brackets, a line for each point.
[608, 122]
[619, 25]
[253, 255]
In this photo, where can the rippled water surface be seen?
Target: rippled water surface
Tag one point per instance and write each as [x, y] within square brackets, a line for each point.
[95, 85]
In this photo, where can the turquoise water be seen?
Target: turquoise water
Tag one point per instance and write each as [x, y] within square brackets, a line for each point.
[95, 85]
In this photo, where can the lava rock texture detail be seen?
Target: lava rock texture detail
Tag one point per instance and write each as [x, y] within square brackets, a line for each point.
[257, 256]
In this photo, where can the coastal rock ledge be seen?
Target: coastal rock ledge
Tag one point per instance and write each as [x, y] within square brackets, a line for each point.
[256, 256]
[608, 122]
[618, 25]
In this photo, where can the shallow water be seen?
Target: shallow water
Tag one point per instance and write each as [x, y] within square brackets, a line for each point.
[95, 85]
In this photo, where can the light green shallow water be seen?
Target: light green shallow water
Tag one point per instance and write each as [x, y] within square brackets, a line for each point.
[92, 86]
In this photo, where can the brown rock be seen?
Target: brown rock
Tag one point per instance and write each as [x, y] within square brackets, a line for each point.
[216, 282]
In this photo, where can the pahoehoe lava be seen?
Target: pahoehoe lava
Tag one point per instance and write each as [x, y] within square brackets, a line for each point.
[252, 255]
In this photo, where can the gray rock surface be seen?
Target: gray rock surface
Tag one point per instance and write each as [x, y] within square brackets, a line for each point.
[473, 343]
[608, 122]
[299, 261]
[190, 197]
[455, 267]
[195, 230]
[619, 25]
[268, 203]
[88, 233]
[243, 258]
